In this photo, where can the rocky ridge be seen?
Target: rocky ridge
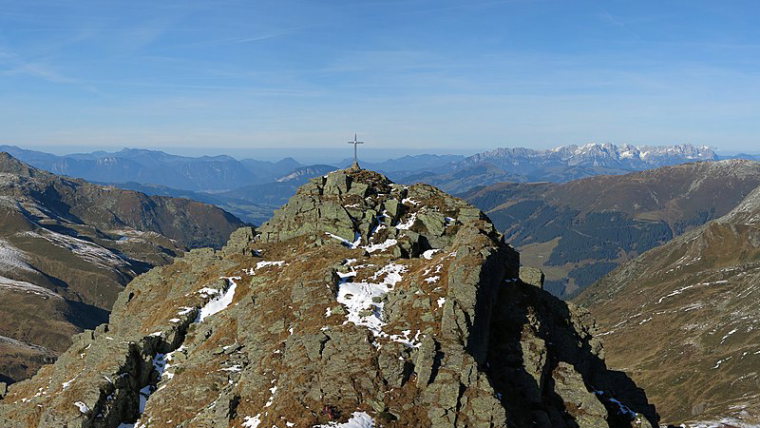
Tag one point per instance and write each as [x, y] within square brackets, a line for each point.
[361, 303]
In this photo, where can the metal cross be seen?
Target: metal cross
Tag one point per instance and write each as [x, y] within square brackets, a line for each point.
[356, 158]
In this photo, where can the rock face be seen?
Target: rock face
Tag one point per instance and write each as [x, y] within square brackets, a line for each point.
[360, 301]
[683, 319]
[68, 247]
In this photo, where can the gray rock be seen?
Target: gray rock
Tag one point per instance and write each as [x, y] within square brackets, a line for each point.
[532, 276]
[240, 241]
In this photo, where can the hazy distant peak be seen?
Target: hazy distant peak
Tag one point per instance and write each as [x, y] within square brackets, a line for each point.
[625, 157]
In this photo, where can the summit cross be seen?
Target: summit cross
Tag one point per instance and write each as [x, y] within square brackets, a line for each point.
[356, 158]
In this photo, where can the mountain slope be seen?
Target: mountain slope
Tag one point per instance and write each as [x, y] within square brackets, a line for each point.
[579, 231]
[361, 303]
[67, 248]
[683, 319]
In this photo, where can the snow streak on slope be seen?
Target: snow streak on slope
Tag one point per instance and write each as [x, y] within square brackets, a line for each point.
[219, 303]
[12, 258]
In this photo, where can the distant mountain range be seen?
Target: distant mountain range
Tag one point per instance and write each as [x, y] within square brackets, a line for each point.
[206, 173]
[252, 189]
[561, 164]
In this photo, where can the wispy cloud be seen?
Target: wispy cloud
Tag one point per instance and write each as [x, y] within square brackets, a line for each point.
[12, 64]
[609, 19]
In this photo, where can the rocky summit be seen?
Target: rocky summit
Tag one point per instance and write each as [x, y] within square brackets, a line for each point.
[362, 303]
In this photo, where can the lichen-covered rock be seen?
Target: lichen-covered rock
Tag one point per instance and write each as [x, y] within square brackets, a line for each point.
[531, 275]
[240, 241]
[360, 299]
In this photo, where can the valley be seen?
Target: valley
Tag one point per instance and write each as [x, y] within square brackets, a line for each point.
[68, 248]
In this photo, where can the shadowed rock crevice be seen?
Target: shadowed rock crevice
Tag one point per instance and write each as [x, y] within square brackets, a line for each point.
[550, 370]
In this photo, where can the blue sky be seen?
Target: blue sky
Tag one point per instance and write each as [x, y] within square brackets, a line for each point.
[414, 75]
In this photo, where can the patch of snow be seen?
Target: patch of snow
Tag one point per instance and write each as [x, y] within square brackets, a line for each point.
[409, 201]
[358, 297]
[719, 362]
[676, 292]
[723, 423]
[264, 264]
[66, 384]
[252, 422]
[219, 303]
[432, 279]
[175, 320]
[345, 275]
[85, 250]
[381, 246]
[358, 420]
[728, 334]
[621, 408]
[207, 291]
[428, 255]
[407, 224]
[184, 310]
[346, 242]
[441, 301]
[272, 390]
[404, 337]
[12, 258]
[26, 287]
[235, 368]
[83, 408]
[363, 301]
[161, 365]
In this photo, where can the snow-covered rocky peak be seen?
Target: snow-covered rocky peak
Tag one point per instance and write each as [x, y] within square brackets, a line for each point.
[595, 154]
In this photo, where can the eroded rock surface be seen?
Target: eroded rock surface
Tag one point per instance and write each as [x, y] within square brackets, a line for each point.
[360, 300]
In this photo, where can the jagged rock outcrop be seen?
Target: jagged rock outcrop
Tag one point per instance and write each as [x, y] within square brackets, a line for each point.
[360, 300]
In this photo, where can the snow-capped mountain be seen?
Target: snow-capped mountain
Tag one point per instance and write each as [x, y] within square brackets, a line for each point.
[561, 164]
[598, 155]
